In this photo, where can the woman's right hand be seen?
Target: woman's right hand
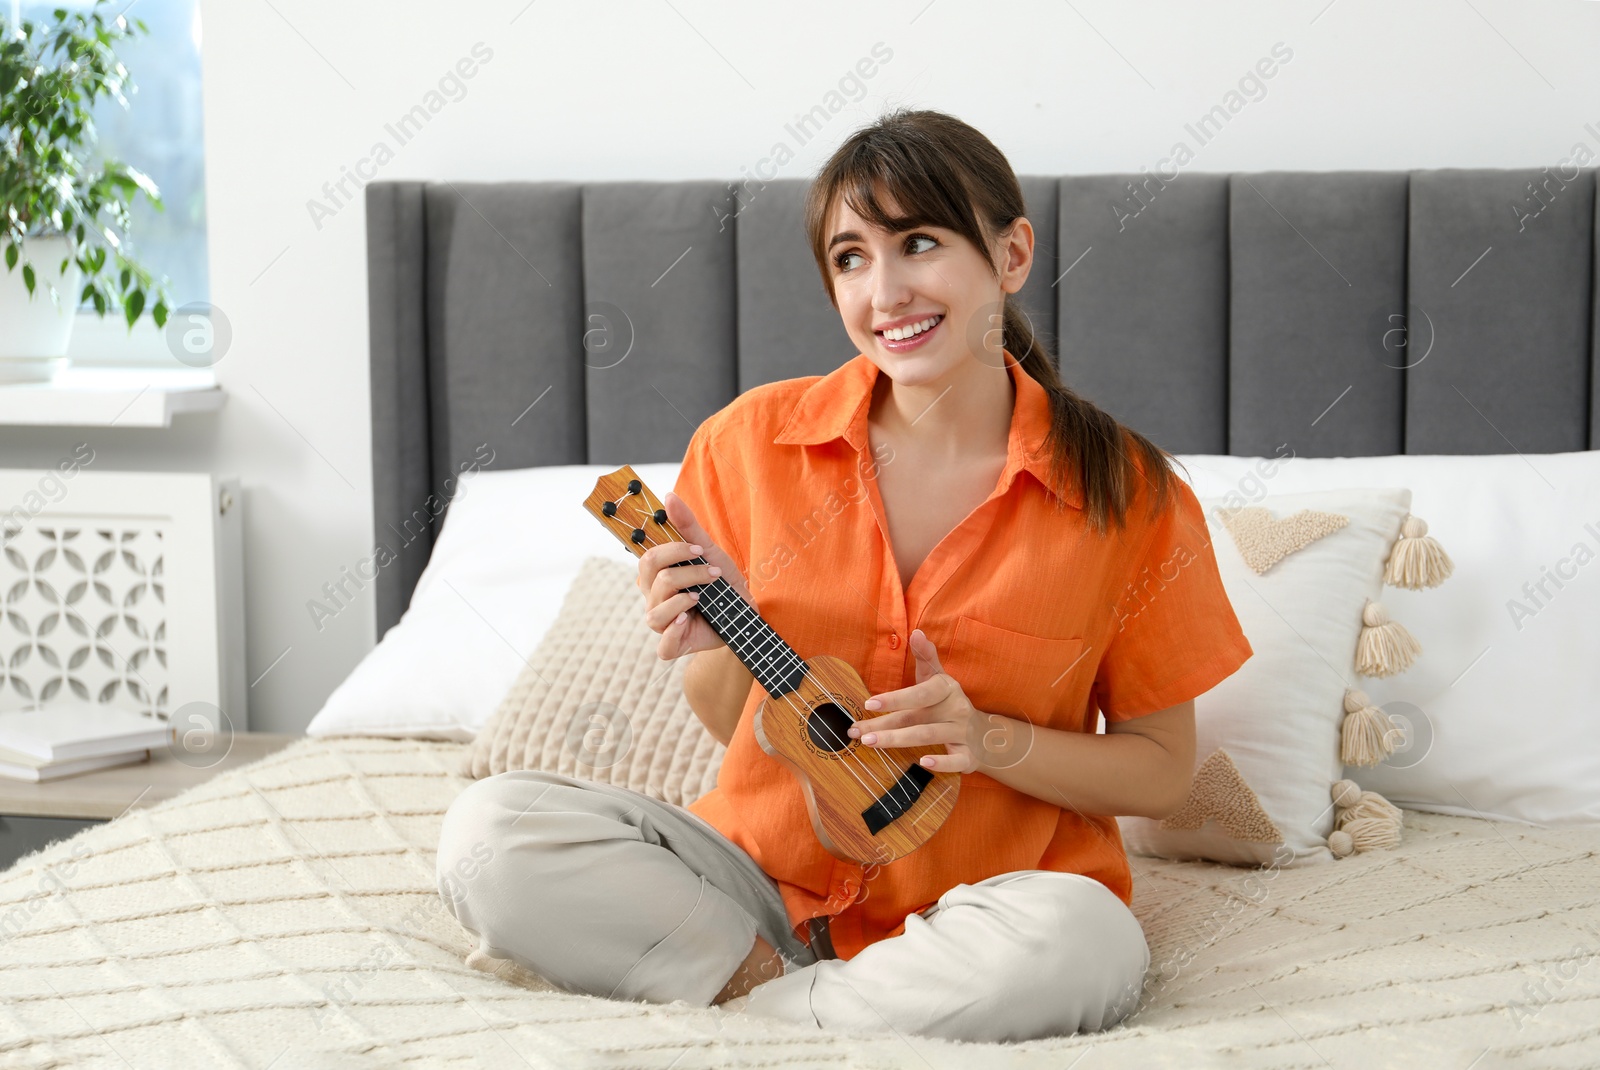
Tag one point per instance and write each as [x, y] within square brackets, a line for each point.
[669, 609]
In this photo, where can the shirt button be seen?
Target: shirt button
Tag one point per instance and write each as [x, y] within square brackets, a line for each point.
[894, 641]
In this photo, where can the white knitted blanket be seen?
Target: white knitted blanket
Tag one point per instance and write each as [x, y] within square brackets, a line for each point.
[284, 915]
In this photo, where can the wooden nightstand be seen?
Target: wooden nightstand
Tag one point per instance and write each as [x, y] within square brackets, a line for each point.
[33, 815]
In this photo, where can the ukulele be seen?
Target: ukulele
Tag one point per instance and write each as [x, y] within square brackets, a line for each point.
[867, 804]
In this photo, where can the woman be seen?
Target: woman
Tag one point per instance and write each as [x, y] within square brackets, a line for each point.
[1000, 559]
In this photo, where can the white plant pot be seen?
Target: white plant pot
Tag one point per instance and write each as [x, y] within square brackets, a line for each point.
[35, 330]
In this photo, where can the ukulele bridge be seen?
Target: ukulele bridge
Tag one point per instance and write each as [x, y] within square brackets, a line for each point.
[898, 799]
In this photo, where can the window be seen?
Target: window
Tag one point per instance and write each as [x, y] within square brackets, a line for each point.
[161, 134]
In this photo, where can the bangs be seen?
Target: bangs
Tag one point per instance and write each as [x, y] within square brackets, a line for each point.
[919, 181]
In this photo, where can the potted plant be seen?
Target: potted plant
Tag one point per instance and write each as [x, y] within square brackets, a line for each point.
[63, 222]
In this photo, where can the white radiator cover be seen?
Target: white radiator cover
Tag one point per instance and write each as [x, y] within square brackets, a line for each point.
[123, 587]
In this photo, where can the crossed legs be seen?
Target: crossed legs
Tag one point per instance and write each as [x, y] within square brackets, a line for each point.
[607, 891]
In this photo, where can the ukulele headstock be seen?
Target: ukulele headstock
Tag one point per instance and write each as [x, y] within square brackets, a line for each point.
[630, 511]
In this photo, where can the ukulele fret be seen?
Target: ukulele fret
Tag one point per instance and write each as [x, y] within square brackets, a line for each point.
[774, 664]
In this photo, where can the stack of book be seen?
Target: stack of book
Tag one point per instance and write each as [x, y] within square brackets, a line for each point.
[73, 736]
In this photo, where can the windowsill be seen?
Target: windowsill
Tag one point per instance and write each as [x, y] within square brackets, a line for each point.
[86, 396]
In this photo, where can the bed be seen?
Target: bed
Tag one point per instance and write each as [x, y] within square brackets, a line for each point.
[285, 913]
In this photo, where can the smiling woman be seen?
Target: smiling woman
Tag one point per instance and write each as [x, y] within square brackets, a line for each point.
[974, 592]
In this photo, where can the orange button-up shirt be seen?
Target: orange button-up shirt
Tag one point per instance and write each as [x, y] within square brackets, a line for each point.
[1035, 613]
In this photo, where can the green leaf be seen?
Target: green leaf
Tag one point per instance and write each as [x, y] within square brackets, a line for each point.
[11, 257]
[99, 303]
[27, 277]
[159, 313]
[134, 306]
[143, 181]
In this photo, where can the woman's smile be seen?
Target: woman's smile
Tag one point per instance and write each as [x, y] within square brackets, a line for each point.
[909, 335]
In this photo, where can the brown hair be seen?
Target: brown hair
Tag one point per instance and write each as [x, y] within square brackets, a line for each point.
[941, 172]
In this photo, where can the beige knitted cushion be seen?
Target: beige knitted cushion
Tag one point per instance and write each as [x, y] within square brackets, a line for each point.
[594, 700]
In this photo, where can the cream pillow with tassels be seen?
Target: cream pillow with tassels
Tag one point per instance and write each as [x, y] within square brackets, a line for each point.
[1304, 573]
[595, 702]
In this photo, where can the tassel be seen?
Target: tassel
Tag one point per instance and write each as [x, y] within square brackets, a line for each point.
[1363, 820]
[1372, 833]
[1385, 647]
[1369, 735]
[1346, 793]
[1417, 560]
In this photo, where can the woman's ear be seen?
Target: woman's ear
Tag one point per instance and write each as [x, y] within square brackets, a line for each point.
[1016, 249]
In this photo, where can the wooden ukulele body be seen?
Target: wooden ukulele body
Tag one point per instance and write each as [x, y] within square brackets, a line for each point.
[867, 804]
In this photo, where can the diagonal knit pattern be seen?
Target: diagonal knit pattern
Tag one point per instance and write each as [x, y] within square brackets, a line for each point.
[284, 914]
[1220, 792]
[1263, 540]
[565, 712]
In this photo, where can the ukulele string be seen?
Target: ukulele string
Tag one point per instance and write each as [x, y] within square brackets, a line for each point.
[844, 749]
[904, 795]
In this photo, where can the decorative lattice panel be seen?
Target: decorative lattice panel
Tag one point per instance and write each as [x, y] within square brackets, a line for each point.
[83, 609]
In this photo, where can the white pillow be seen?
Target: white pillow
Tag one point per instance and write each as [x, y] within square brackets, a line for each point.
[1503, 707]
[1267, 738]
[512, 543]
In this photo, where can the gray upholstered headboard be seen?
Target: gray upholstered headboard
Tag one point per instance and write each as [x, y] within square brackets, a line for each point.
[1346, 313]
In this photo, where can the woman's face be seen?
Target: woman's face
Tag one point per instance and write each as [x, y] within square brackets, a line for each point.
[929, 286]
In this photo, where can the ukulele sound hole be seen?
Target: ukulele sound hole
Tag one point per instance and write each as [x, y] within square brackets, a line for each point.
[829, 727]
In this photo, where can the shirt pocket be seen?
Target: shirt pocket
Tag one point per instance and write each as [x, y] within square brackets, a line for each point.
[1038, 679]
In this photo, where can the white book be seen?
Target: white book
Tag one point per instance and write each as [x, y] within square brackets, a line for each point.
[16, 757]
[71, 728]
[52, 770]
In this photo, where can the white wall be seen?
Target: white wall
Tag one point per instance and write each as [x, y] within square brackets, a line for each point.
[297, 91]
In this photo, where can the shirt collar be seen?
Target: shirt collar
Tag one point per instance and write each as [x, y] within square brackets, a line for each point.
[836, 406]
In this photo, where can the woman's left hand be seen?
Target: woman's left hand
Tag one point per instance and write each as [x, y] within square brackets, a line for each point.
[933, 710]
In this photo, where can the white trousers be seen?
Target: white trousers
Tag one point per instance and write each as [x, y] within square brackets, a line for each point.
[609, 892]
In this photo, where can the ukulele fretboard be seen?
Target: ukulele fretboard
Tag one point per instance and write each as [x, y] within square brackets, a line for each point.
[773, 662]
